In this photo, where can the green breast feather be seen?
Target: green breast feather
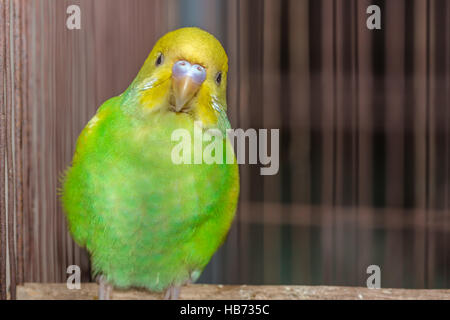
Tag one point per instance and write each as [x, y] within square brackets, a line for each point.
[146, 221]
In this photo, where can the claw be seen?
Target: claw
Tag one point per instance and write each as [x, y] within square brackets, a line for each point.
[104, 289]
[172, 293]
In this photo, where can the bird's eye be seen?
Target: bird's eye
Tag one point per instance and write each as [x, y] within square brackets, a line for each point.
[219, 78]
[159, 60]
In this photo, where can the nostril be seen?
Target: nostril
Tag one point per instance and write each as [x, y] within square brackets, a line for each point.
[183, 68]
[198, 73]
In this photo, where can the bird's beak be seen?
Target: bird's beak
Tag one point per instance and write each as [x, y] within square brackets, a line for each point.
[186, 81]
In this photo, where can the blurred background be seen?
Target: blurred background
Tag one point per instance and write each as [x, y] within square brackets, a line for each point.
[364, 119]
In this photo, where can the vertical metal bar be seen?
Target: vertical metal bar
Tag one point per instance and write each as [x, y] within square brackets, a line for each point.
[230, 23]
[326, 121]
[18, 71]
[419, 95]
[299, 156]
[238, 123]
[26, 140]
[427, 145]
[394, 87]
[355, 132]
[9, 155]
[409, 160]
[3, 249]
[334, 143]
[344, 123]
[447, 158]
[273, 16]
[41, 139]
[316, 139]
[364, 114]
[27, 152]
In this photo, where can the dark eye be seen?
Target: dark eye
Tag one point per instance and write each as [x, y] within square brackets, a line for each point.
[159, 60]
[219, 78]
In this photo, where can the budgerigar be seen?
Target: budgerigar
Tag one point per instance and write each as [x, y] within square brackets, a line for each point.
[146, 221]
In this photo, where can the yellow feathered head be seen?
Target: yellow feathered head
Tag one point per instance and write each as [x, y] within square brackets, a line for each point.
[185, 72]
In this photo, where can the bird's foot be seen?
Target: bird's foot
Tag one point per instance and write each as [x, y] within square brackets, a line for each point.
[104, 289]
[172, 293]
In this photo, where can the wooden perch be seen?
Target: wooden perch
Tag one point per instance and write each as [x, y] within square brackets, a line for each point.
[88, 291]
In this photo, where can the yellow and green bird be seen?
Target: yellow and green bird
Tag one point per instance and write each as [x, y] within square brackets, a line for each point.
[147, 221]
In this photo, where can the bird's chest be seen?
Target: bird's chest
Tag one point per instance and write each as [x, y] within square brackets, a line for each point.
[151, 182]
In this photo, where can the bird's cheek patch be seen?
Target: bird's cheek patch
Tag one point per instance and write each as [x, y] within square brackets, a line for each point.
[155, 96]
[206, 115]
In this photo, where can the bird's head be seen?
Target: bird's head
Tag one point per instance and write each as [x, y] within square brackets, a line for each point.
[186, 72]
